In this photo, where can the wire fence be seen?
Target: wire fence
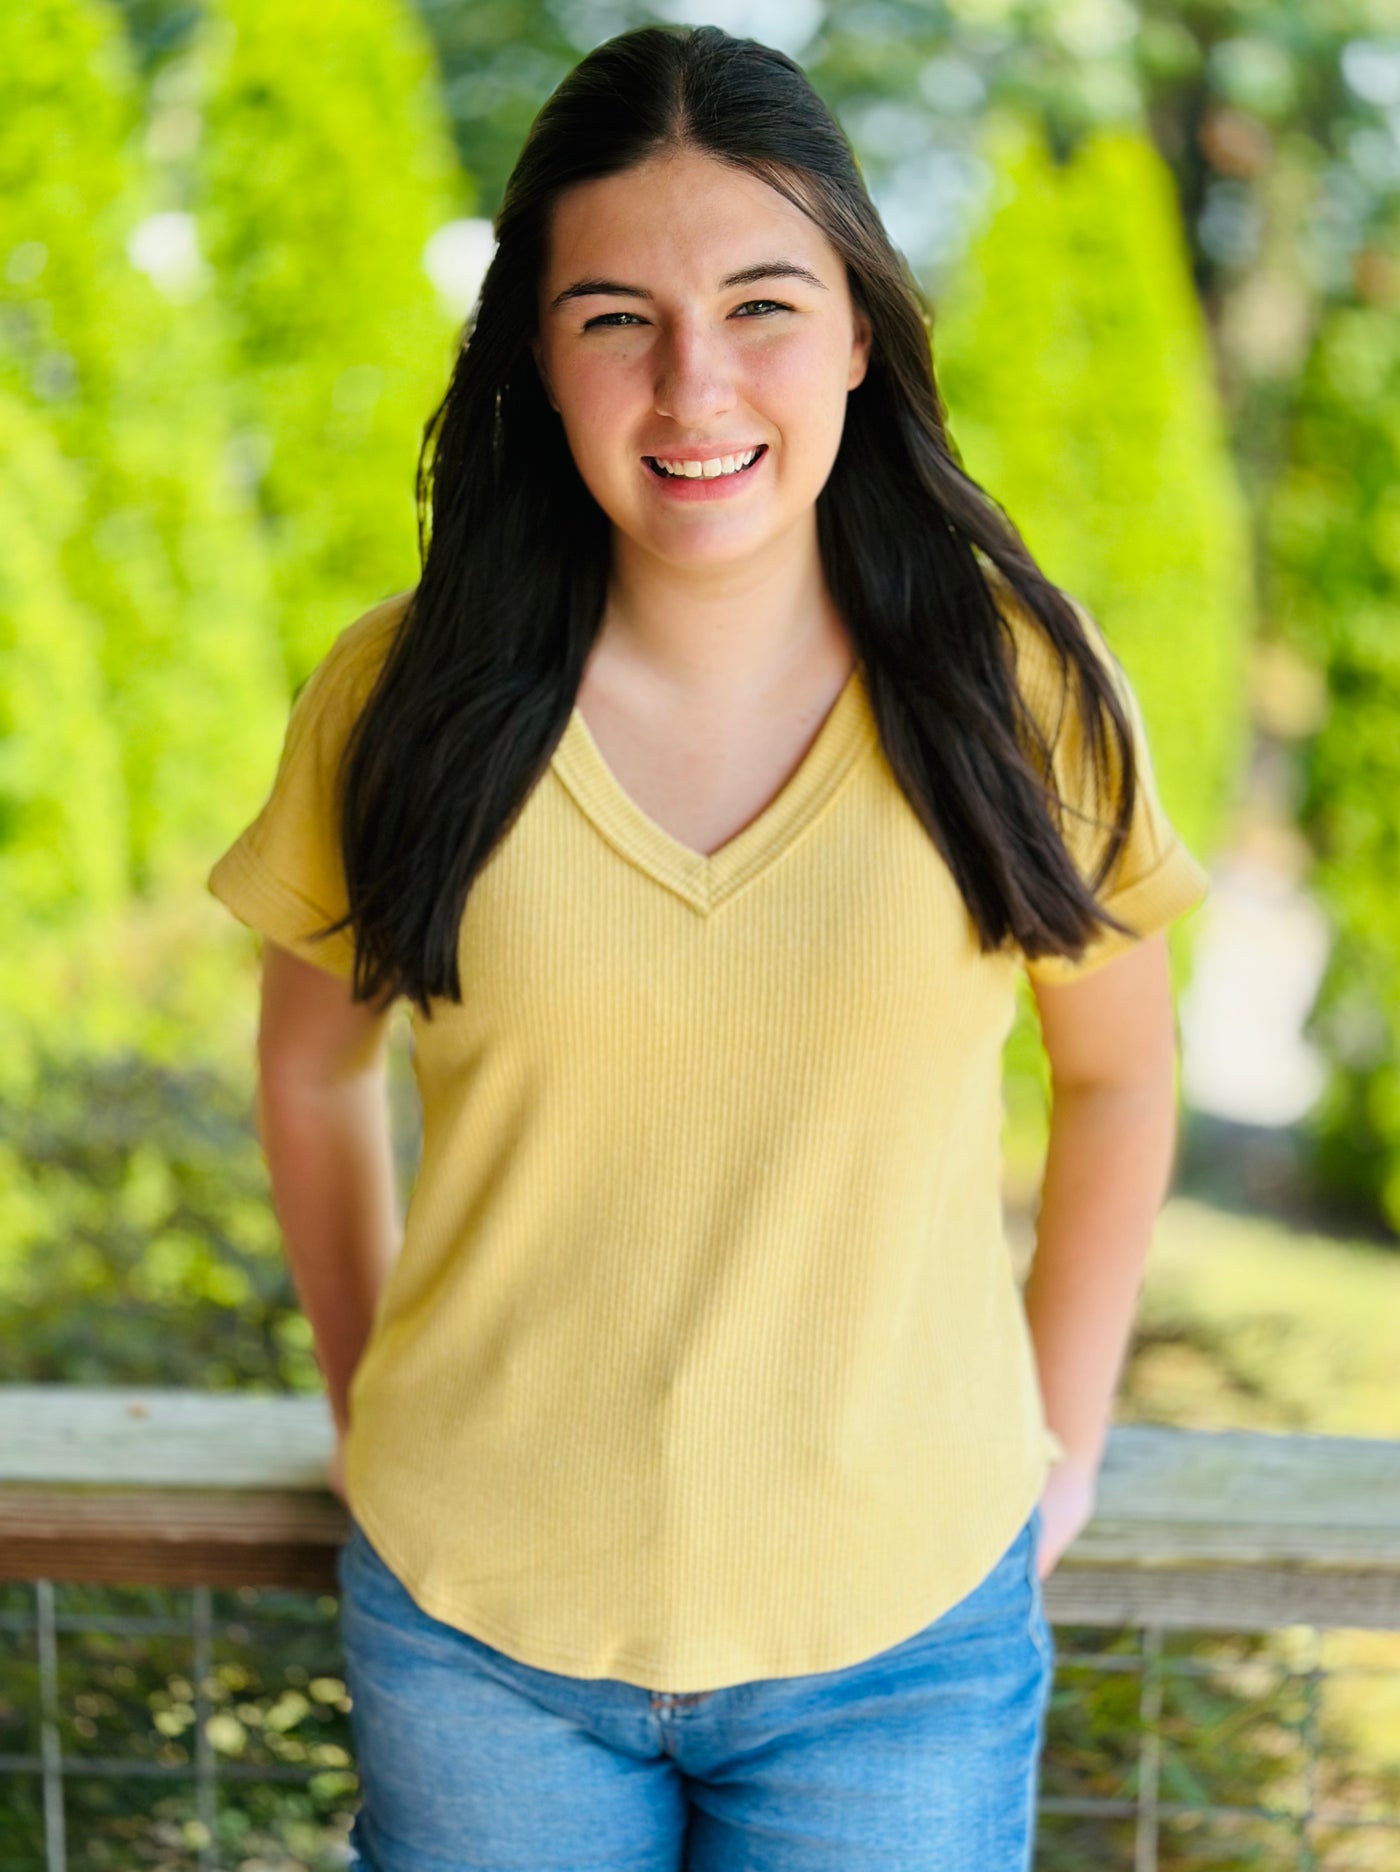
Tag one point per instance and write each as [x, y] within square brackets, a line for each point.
[172, 1727]
[209, 1728]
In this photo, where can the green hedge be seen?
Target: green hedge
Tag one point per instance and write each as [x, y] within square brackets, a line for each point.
[1076, 369]
[325, 162]
[1332, 527]
[133, 386]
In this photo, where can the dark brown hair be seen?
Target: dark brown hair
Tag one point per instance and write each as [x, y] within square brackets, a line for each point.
[484, 668]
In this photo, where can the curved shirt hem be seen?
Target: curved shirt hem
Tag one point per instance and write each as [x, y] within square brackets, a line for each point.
[645, 1671]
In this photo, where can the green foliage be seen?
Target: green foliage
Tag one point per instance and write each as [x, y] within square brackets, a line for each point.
[62, 811]
[1333, 526]
[1076, 372]
[273, 1696]
[1232, 1715]
[1076, 368]
[137, 1242]
[166, 540]
[317, 180]
[160, 547]
[1244, 1324]
[61, 823]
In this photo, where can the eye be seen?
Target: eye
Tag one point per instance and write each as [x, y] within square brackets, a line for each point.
[605, 318]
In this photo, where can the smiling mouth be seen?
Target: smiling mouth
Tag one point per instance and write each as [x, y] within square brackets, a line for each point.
[662, 475]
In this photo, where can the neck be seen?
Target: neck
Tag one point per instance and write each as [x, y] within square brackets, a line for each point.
[709, 633]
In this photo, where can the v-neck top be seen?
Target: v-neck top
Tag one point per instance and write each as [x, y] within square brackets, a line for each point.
[707, 880]
[703, 1359]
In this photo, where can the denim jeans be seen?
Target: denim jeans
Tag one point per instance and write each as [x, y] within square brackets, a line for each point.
[924, 1756]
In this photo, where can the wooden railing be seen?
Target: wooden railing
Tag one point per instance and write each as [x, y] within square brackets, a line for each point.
[1232, 1529]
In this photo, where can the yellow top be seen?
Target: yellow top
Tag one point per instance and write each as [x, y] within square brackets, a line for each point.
[704, 1358]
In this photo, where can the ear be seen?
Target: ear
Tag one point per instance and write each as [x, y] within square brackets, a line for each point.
[860, 350]
[538, 352]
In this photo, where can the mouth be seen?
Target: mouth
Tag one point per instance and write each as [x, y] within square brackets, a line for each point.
[662, 474]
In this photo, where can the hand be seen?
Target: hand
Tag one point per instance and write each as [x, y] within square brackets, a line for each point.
[1066, 1508]
[335, 1469]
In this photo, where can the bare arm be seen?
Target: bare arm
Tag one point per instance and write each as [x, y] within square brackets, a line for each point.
[323, 1122]
[1111, 1040]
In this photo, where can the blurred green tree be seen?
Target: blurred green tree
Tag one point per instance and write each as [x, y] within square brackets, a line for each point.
[1079, 379]
[160, 550]
[1077, 373]
[323, 165]
[1333, 531]
[63, 819]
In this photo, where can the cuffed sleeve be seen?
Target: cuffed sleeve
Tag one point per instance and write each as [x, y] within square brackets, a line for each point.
[284, 876]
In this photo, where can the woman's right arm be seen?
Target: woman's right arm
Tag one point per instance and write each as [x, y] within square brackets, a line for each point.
[323, 1122]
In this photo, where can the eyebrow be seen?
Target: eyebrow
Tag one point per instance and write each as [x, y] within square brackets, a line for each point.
[613, 289]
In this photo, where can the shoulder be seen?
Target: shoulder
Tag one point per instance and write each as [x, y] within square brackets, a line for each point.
[340, 683]
[364, 643]
[1042, 673]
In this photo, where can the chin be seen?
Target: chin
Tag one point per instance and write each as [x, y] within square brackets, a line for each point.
[715, 553]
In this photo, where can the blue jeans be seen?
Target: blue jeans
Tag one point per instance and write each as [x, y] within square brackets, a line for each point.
[925, 1756]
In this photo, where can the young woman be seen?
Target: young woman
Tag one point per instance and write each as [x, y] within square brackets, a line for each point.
[704, 798]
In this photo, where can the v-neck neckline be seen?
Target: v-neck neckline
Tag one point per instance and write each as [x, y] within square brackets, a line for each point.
[706, 880]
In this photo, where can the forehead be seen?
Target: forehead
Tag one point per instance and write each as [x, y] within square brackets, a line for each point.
[691, 214]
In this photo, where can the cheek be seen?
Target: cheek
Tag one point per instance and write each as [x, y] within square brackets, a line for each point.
[602, 405]
[599, 388]
[802, 379]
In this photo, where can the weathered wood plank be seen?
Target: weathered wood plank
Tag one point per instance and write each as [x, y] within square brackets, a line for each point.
[194, 1536]
[120, 1437]
[1232, 1529]
[1220, 1598]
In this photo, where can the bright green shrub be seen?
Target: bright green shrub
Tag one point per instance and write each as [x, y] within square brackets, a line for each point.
[324, 166]
[1074, 362]
[162, 551]
[63, 819]
[62, 815]
[1333, 530]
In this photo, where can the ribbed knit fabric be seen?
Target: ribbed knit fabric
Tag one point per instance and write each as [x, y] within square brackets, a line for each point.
[704, 1359]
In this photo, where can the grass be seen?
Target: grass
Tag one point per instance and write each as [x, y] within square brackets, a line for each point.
[1244, 1323]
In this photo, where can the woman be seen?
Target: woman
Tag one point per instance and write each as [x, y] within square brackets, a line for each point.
[704, 798]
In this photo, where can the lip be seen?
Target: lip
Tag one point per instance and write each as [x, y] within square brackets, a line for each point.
[697, 487]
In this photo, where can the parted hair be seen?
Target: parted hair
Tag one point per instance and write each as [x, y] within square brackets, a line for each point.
[484, 667]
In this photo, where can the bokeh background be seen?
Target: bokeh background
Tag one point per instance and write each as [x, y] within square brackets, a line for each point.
[238, 244]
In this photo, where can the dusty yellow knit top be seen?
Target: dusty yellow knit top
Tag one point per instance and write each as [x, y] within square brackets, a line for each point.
[704, 1358]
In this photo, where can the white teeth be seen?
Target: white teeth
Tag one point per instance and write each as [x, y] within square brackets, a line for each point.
[719, 465]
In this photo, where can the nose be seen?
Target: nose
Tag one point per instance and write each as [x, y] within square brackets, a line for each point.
[694, 377]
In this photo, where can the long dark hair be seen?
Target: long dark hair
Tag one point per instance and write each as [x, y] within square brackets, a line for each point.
[486, 662]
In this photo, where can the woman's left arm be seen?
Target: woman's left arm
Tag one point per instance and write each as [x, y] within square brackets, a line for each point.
[1112, 1045]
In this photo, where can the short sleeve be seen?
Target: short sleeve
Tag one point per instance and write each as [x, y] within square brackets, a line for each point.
[1155, 879]
[283, 876]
